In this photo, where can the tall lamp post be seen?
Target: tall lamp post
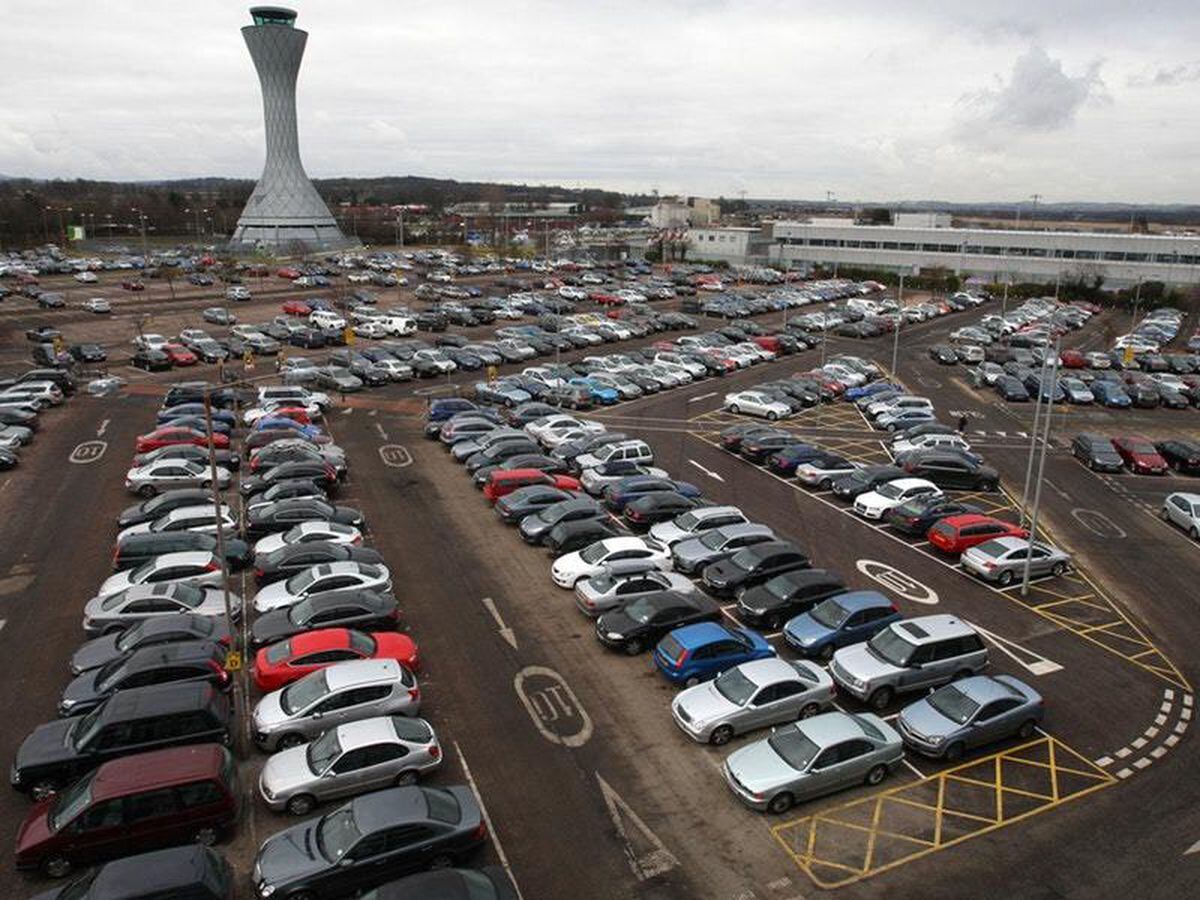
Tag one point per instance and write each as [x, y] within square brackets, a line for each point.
[1037, 493]
[896, 330]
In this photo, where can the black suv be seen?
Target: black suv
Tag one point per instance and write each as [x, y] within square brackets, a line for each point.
[135, 549]
[951, 470]
[133, 721]
[1182, 456]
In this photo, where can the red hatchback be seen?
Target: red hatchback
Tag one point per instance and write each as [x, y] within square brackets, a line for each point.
[1073, 359]
[171, 437]
[133, 285]
[1139, 454]
[282, 663]
[955, 534]
[505, 481]
[179, 354]
[132, 804]
[288, 273]
[296, 308]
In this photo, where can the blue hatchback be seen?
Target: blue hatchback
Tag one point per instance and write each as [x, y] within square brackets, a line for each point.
[600, 393]
[849, 618]
[869, 390]
[696, 653]
[441, 410]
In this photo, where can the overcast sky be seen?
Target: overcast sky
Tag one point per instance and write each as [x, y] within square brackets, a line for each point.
[949, 100]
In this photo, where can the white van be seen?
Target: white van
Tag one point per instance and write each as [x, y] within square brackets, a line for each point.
[400, 326]
[326, 318]
[625, 451]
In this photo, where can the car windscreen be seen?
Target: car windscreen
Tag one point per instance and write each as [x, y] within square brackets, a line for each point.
[442, 806]
[714, 540]
[299, 582]
[735, 687]
[891, 648]
[890, 491]
[336, 833]
[594, 553]
[793, 747]
[303, 693]
[71, 802]
[322, 752]
[953, 704]
[277, 653]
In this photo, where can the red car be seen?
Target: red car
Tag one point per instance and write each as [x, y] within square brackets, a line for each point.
[1139, 454]
[288, 273]
[296, 308]
[172, 436]
[954, 534]
[279, 664]
[605, 299]
[767, 342]
[133, 285]
[295, 413]
[179, 355]
[504, 481]
[1073, 359]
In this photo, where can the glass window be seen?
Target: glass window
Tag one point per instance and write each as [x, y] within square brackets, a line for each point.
[150, 805]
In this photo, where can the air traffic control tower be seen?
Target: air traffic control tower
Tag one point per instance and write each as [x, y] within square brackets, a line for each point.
[285, 208]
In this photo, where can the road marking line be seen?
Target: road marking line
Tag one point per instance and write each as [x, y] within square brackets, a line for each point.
[1185, 714]
[1104, 761]
[488, 819]
[1171, 740]
[1187, 698]
[1166, 707]
[1125, 773]
[348, 410]
[1160, 719]
[1138, 744]
[1123, 752]
[648, 865]
[1181, 727]
[1039, 665]
[1158, 752]
[1142, 763]
[709, 472]
[507, 633]
[914, 769]
[702, 397]
[383, 434]
[103, 428]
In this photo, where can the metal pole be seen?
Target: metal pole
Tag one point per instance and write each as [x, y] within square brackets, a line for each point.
[1137, 299]
[1037, 495]
[1033, 436]
[896, 330]
[824, 333]
[1004, 301]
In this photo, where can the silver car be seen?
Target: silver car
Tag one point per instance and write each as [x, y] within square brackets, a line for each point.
[343, 692]
[1183, 510]
[817, 756]
[970, 713]
[753, 695]
[350, 759]
[117, 612]
[1003, 560]
[163, 474]
[622, 582]
[694, 522]
[694, 554]
[193, 566]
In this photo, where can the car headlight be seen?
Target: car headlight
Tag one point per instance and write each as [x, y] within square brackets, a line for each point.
[934, 739]
[266, 890]
[613, 635]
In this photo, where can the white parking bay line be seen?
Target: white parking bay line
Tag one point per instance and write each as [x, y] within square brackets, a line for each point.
[703, 397]
[914, 770]
[1031, 661]
[488, 819]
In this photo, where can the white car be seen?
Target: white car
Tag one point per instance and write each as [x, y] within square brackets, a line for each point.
[318, 579]
[694, 368]
[293, 395]
[308, 533]
[695, 522]
[400, 326]
[543, 376]
[1183, 510]
[162, 474]
[440, 360]
[591, 560]
[150, 341]
[326, 318]
[874, 504]
[201, 518]
[903, 401]
[931, 442]
[548, 428]
[755, 404]
[370, 328]
[396, 370]
[250, 416]
[97, 305]
[192, 567]
[86, 277]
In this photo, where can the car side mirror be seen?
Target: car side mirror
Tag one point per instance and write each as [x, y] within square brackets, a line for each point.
[318, 715]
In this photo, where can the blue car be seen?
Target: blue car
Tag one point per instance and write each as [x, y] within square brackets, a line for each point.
[309, 431]
[505, 393]
[600, 393]
[618, 494]
[441, 410]
[785, 461]
[696, 653]
[870, 390]
[1109, 393]
[849, 618]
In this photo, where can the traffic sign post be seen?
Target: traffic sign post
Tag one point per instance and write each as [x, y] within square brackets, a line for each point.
[349, 336]
[492, 373]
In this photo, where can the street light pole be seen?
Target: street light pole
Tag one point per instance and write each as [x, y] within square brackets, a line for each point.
[1037, 494]
[896, 330]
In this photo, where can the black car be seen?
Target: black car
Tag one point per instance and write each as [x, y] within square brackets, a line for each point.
[313, 468]
[575, 534]
[149, 510]
[537, 526]
[1097, 452]
[365, 610]
[498, 453]
[292, 558]
[526, 501]
[522, 414]
[1011, 389]
[752, 565]
[150, 360]
[488, 883]
[283, 514]
[943, 355]
[191, 661]
[308, 338]
[733, 436]
[288, 489]
[642, 622]
[757, 447]
[152, 632]
[191, 872]
[131, 721]
[1182, 456]
[923, 428]
[88, 353]
[369, 841]
[135, 549]
[865, 479]
[21, 417]
[429, 320]
[948, 469]
[918, 515]
[659, 506]
[771, 604]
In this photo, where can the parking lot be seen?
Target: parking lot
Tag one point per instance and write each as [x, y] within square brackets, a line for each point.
[590, 788]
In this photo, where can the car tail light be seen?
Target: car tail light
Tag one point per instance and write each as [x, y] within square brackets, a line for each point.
[989, 566]
[681, 658]
[212, 567]
[395, 614]
[414, 694]
[434, 751]
[480, 832]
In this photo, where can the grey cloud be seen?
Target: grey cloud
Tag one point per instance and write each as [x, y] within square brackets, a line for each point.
[1185, 73]
[1039, 96]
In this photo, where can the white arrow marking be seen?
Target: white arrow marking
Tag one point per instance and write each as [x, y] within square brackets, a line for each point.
[1054, 487]
[383, 434]
[1023, 434]
[648, 865]
[1001, 434]
[347, 410]
[703, 397]
[103, 428]
[1195, 848]
[1034, 663]
[505, 632]
[708, 472]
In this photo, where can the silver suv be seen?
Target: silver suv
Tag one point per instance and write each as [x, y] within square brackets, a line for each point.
[910, 655]
[343, 692]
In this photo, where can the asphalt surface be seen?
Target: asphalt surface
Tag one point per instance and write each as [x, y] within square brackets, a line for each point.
[591, 789]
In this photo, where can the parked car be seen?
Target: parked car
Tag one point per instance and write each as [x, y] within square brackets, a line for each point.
[698, 652]
[770, 604]
[875, 504]
[645, 620]
[1096, 452]
[952, 470]
[841, 620]
[154, 632]
[160, 664]
[972, 712]
[279, 664]
[696, 522]
[755, 403]
[113, 613]
[189, 871]
[916, 517]
[622, 582]
[1183, 510]
[364, 610]
[570, 568]
[752, 566]
[1002, 560]
[1140, 455]
[319, 579]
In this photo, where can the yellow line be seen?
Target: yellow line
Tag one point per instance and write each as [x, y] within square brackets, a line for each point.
[999, 793]
[937, 819]
[871, 837]
[1053, 761]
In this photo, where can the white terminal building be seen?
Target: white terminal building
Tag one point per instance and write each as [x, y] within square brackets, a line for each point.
[925, 240]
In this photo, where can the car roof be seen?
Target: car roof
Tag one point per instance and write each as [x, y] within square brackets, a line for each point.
[741, 529]
[924, 629]
[158, 699]
[831, 728]
[1184, 495]
[769, 670]
[710, 512]
[906, 483]
[624, 543]
[984, 689]
[701, 633]
[365, 732]
[964, 519]
[856, 600]
[185, 558]
[155, 769]
[157, 871]
[156, 655]
[387, 808]
[361, 671]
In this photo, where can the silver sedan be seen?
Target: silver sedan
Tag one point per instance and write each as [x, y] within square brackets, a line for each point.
[811, 758]
[351, 759]
[164, 474]
[620, 584]
[753, 695]
[1003, 560]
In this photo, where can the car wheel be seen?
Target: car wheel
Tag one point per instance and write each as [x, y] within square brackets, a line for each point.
[407, 777]
[780, 803]
[1059, 568]
[633, 647]
[1164, 515]
[891, 428]
[147, 490]
[1028, 727]
[808, 710]
[881, 698]
[876, 775]
[692, 681]
[301, 804]
[288, 741]
[721, 735]
[827, 652]
[1006, 578]
[43, 789]
[772, 416]
[825, 484]
[1195, 533]
[442, 861]
[205, 837]
[57, 867]
[733, 408]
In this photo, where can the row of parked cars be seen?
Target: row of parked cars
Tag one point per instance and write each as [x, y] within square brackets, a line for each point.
[661, 568]
[23, 398]
[142, 758]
